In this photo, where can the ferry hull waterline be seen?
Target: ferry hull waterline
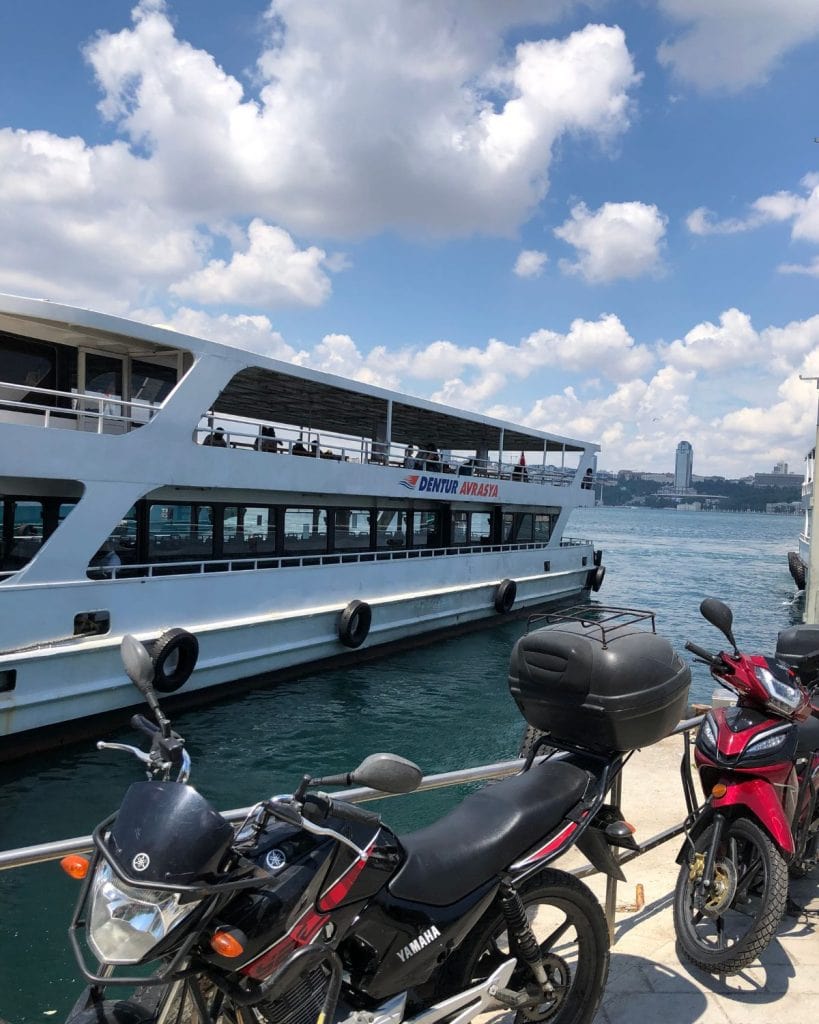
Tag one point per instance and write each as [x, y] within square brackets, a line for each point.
[166, 486]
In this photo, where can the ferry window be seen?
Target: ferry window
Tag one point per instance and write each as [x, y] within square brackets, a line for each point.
[460, 527]
[524, 527]
[124, 537]
[518, 527]
[391, 530]
[92, 623]
[249, 530]
[27, 533]
[151, 383]
[103, 376]
[426, 529]
[305, 530]
[543, 527]
[480, 527]
[29, 364]
[352, 529]
[179, 533]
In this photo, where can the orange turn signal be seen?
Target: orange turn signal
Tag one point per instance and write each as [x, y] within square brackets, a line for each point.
[226, 944]
[719, 790]
[75, 866]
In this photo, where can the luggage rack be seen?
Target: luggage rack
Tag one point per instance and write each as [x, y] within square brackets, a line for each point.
[609, 620]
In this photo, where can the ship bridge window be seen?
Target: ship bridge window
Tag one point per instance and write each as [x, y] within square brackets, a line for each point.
[305, 530]
[180, 532]
[391, 528]
[518, 527]
[249, 530]
[352, 529]
[426, 529]
[29, 364]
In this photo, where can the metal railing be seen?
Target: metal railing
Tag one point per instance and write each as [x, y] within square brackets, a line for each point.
[244, 564]
[106, 414]
[247, 435]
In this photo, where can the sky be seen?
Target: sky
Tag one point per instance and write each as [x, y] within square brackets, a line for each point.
[595, 218]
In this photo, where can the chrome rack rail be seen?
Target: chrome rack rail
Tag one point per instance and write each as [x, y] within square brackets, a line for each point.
[608, 619]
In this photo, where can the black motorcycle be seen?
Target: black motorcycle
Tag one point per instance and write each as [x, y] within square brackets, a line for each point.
[313, 910]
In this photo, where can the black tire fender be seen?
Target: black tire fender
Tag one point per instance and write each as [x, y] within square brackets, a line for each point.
[505, 594]
[354, 623]
[596, 577]
[174, 655]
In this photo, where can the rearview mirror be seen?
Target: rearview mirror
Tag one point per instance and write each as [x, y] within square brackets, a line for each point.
[720, 615]
[138, 665]
[387, 772]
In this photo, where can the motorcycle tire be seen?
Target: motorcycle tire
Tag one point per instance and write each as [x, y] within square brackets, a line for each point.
[747, 906]
[803, 866]
[577, 966]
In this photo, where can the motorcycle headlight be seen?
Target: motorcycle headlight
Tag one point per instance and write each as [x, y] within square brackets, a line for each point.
[126, 922]
[707, 738]
[770, 742]
[782, 697]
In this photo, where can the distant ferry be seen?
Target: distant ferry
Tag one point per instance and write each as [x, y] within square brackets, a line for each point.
[162, 485]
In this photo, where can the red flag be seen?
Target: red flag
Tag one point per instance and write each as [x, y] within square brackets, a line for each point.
[522, 460]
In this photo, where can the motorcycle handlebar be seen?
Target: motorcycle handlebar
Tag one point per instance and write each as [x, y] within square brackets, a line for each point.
[318, 807]
[700, 652]
[144, 725]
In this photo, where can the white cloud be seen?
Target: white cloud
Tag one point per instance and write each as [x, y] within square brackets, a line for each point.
[530, 263]
[395, 115]
[619, 240]
[709, 346]
[732, 44]
[271, 272]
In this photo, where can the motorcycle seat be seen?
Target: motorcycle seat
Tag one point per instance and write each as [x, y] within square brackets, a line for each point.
[486, 833]
[807, 736]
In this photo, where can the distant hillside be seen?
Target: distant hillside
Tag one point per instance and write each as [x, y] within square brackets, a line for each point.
[734, 497]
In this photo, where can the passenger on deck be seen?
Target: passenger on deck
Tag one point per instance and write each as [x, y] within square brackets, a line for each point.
[433, 459]
[299, 449]
[217, 439]
[409, 458]
[587, 482]
[266, 441]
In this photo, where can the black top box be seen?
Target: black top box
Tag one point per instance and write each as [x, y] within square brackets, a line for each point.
[605, 689]
[798, 648]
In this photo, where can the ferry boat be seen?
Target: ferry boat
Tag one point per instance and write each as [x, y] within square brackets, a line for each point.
[798, 560]
[258, 514]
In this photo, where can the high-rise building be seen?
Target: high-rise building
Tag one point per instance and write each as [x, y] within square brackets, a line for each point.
[683, 467]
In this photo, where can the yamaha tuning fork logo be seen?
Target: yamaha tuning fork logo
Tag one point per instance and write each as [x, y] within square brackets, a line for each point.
[140, 862]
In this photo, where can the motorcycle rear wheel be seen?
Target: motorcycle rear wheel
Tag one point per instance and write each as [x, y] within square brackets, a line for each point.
[570, 926]
[746, 907]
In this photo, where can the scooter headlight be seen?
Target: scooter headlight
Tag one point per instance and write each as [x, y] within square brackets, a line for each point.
[782, 697]
[707, 738]
[126, 922]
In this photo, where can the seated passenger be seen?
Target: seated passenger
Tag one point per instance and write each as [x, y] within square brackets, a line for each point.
[266, 441]
[217, 439]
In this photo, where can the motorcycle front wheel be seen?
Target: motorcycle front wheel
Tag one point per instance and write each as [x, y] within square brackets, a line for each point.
[741, 914]
[570, 928]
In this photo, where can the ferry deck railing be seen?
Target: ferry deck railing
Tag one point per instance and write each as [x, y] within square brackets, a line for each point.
[244, 564]
[26, 856]
[100, 414]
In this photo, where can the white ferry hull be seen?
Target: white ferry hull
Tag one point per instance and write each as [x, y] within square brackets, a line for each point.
[61, 683]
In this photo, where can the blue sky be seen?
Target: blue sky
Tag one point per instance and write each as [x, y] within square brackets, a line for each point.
[597, 218]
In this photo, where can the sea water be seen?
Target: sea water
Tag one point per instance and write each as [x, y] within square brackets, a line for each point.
[445, 705]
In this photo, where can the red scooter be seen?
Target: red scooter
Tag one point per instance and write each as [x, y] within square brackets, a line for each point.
[758, 765]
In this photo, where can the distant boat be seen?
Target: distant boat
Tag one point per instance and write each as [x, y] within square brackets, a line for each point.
[799, 560]
[283, 516]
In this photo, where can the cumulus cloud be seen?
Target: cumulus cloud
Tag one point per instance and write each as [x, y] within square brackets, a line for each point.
[734, 43]
[619, 240]
[709, 346]
[530, 263]
[272, 271]
[399, 116]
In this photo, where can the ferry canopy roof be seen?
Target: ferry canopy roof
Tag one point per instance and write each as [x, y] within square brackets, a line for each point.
[315, 403]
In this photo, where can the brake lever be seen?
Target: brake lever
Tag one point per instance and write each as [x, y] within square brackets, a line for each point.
[139, 754]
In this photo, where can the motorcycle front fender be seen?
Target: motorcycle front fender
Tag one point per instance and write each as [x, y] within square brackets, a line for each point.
[753, 798]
